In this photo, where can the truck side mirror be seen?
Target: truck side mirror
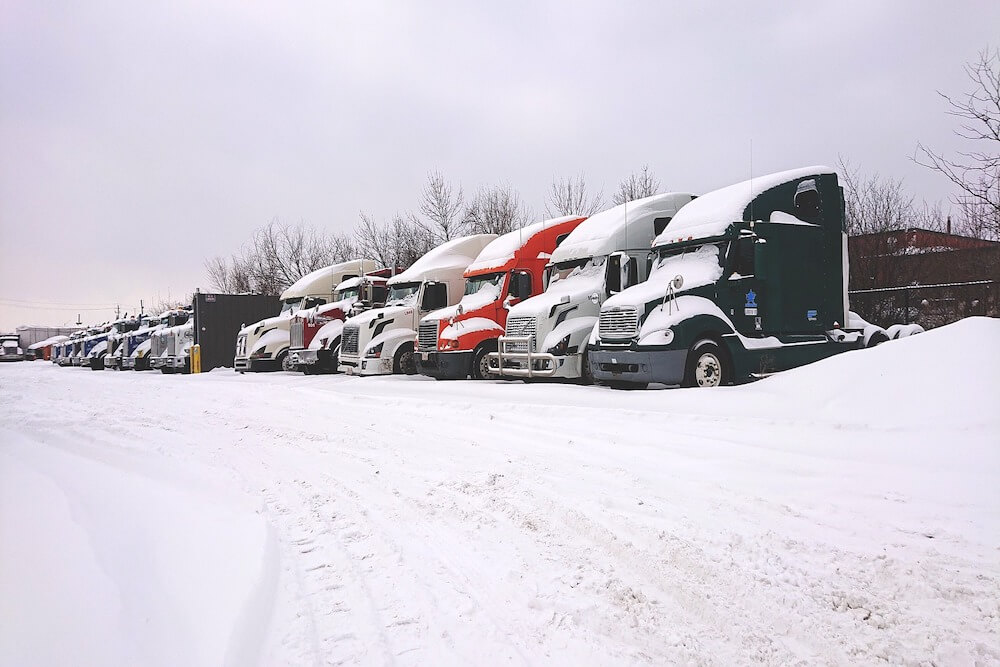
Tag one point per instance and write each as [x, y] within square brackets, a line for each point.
[745, 255]
[520, 285]
[613, 280]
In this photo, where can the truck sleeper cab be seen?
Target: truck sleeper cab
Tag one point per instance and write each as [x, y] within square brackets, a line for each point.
[453, 343]
[264, 345]
[316, 332]
[747, 280]
[546, 335]
[381, 341]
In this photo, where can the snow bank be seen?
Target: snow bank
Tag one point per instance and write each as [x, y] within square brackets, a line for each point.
[104, 565]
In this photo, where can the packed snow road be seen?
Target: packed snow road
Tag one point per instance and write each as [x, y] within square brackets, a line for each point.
[847, 512]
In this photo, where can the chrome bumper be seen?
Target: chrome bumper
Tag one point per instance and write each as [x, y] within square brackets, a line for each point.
[528, 364]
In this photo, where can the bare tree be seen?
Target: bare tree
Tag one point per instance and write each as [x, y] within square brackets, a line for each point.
[496, 210]
[638, 185]
[976, 171]
[568, 196]
[275, 257]
[442, 209]
[873, 204]
[398, 243]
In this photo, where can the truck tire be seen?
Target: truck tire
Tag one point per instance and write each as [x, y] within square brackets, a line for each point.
[586, 375]
[403, 363]
[480, 364]
[707, 365]
[284, 362]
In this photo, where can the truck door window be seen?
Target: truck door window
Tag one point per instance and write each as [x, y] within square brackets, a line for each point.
[561, 238]
[660, 224]
[379, 293]
[435, 296]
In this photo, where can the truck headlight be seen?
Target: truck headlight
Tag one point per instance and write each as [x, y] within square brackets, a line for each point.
[451, 344]
[560, 348]
[668, 336]
[374, 352]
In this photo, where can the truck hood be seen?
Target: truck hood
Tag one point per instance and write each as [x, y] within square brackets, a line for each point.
[387, 312]
[698, 268]
[576, 289]
[267, 323]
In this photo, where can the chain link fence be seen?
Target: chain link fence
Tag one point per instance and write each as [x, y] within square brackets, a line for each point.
[927, 305]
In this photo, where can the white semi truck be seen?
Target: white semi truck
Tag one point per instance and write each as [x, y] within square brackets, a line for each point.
[381, 341]
[264, 345]
[546, 336]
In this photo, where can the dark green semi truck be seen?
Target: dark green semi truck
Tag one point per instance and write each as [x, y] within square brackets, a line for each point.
[744, 281]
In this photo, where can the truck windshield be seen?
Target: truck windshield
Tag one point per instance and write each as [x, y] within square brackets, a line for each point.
[578, 267]
[290, 307]
[347, 293]
[403, 294]
[490, 281]
[699, 265]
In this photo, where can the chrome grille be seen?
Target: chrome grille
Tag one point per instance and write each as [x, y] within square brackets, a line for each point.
[521, 326]
[618, 323]
[296, 334]
[427, 336]
[349, 339]
[157, 345]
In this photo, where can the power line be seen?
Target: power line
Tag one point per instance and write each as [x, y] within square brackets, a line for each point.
[56, 303]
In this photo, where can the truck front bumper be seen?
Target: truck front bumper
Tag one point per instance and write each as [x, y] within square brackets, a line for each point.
[322, 358]
[663, 366]
[444, 365]
[179, 363]
[365, 366]
[535, 365]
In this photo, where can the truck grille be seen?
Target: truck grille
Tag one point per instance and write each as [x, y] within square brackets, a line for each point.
[349, 339]
[618, 323]
[521, 326]
[427, 336]
[157, 345]
[296, 335]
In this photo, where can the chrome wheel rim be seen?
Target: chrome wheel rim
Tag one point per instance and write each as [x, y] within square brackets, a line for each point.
[708, 372]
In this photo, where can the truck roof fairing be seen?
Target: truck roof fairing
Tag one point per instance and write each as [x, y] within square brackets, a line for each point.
[711, 214]
[626, 226]
[323, 281]
[454, 255]
[503, 251]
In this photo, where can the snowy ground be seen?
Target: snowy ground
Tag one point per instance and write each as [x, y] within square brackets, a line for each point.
[848, 512]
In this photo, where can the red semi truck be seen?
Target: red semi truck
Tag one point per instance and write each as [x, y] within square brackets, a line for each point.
[315, 332]
[452, 343]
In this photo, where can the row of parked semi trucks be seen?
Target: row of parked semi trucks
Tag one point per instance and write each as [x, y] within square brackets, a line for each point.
[675, 289]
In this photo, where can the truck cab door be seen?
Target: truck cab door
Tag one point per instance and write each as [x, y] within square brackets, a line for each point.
[739, 295]
[622, 272]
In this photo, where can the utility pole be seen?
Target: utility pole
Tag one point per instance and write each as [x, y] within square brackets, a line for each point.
[140, 308]
[118, 311]
[79, 322]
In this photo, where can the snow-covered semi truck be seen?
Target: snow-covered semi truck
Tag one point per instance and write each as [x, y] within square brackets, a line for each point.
[746, 280]
[381, 341]
[10, 348]
[316, 332]
[452, 343]
[546, 336]
[142, 346]
[162, 341]
[264, 345]
[177, 358]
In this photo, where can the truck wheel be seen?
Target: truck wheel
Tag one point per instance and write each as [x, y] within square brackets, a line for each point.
[707, 365]
[285, 362]
[403, 363]
[480, 362]
[586, 375]
[877, 338]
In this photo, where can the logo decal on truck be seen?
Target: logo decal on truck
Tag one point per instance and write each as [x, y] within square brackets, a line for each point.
[811, 315]
[751, 305]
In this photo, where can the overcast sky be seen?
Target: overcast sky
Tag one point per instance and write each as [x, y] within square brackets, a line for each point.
[139, 138]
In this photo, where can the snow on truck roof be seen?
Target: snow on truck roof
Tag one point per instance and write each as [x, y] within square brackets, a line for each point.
[323, 281]
[456, 254]
[626, 226]
[504, 248]
[711, 213]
